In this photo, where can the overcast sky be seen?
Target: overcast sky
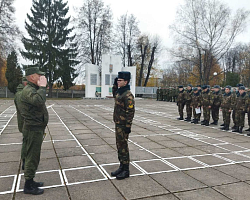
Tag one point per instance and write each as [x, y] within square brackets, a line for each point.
[154, 16]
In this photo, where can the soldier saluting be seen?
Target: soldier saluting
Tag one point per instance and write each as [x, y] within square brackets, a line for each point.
[123, 116]
[35, 115]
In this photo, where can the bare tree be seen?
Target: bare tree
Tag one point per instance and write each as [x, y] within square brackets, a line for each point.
[127, 33]
[204, 31]
[94, 31]
[8, 29]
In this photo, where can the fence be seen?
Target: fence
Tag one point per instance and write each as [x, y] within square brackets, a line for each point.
[148, 92]
[56, 93]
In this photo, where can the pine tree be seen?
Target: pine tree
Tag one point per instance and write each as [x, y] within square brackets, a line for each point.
[13, 73]
[50, 45]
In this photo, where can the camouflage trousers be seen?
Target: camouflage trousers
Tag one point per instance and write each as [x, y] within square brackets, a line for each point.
[226, 116]
[180, 109]
[188, 110]
[122, 144]
[196, 116]
[23, 150]
[233, 116]
[239, 118]
[206, 113]
[164, 97]
[215, 113]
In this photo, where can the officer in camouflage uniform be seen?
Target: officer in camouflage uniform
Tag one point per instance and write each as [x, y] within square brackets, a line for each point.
[164, 90]
[167, 94]
[248, 113]
[35, 115]
[157, 94]
[180, 102]
[216, 98]
[188, 98]
[19, 116]
[235, 94]
[196, 103]
[227, 104]
[240, 109]
[170, 94]
[206, 102]
[161, 94]
[123, 116]
[175, 94]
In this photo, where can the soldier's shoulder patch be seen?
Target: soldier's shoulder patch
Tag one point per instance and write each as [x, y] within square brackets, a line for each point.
[131, 106]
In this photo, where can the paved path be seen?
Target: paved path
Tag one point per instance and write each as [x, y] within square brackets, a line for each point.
[170, 159]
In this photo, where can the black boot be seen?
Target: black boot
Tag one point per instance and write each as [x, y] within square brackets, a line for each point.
[187, 119]
[38, 184]
[118, 171]
[203, 122]
[236, 129]
[124, 174]
[30, 188]
[241, 129]
[180, 118]
[226, 127]
[23, 164]
[248, 129]
[222, 124]
[207, 123]
[215, 122]
[195, 121]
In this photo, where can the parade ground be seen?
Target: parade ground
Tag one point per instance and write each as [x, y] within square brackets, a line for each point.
[170, 159]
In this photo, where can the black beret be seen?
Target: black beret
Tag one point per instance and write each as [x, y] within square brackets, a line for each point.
[189, 85]
[229, 87]
[124, 75]
[242, 88]
[208, 86]
[217, 86]
[180, 86]
[198, 85]
[239, 84]
[204, 87]
[195, 89]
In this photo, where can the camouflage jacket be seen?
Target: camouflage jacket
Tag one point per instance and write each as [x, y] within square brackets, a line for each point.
[248, 104]
[17, 100]
[188, 96]
[157, 92]
[180, 98]
[33, 108]
[124, 106]
[216, 99]
[164, 91]
[240, 103]
[196, 100]
[227, 101]
[206, 99]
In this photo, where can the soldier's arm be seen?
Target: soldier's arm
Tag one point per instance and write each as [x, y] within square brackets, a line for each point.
[130, 110]
[115, 87]
[34, 97]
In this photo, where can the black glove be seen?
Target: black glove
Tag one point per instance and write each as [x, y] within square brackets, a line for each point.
[115, 82]
[127, 130]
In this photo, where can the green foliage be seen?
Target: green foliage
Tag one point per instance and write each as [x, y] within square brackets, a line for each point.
[232, 79]
[13, 72]
[50, 45]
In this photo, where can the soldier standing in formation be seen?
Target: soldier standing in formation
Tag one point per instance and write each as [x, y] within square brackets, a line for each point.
[123, 116]
[188, 98]
[164, 94]
[196, 104]
[235, 94]
[180, 102]
[240, 110]
[216, 98]
[206, 103]
[157, 94]
[227, 107]
[35, 115]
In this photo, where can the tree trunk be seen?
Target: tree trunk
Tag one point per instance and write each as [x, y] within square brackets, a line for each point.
[150, 66]
[143, 54]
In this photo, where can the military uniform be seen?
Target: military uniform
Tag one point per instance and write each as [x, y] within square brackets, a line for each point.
[35, 115]
[161, 94]
[167, 94]
[248, 112]
[164, 91]
[196, 103]
[157, 94]
[175, 94]
[123, 116]
[170, 94]
[180, 103]
[188, 99]
[216, 99]
[227, 104]
[206, 102]
[240, 110]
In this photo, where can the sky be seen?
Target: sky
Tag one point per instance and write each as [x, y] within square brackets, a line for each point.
[154, 16]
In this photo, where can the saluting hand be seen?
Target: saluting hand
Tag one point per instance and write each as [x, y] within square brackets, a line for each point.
[42, 82]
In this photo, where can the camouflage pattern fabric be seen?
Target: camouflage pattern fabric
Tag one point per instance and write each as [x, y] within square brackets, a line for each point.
[216, 98]
[181, 103]
[196, 103]
[206, 101]
[188, 99]
[227, 104]
[240, 109]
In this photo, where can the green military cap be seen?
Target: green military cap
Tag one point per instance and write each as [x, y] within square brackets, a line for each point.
[24, 79]
[33, 70]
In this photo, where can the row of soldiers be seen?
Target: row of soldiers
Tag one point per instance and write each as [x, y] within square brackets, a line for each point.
[167, 94]
[211, 101]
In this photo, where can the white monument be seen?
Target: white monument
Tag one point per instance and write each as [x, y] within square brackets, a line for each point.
[111, 65]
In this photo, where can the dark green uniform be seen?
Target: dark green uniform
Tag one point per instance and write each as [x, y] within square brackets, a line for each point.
[170, 94]
[206, 101]
[167, 94]
[20, 119]
[181, 103]
[161, 94]
[227, 105]
[196, 103]
[123, 116]
[157, 94]
[240, 109]
[35, 114]
[188, 98]
[216, 99]
[175, 94]
[164, 94]
[248, 111]
[235, 94]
